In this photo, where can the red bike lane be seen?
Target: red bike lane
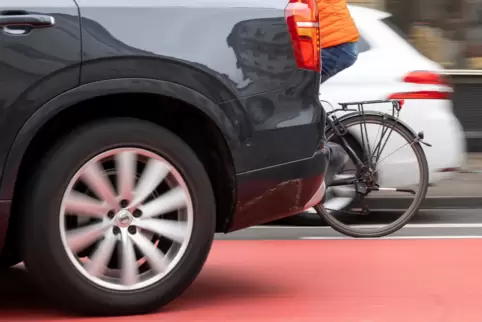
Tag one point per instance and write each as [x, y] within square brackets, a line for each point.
[308, 280]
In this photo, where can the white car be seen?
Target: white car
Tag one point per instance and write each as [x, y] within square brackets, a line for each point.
[389, 67]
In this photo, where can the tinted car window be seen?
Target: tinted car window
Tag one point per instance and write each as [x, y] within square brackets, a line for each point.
[363, 45]
[390, 23]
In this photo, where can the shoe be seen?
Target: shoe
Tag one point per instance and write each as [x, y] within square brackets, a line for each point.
[338, 159]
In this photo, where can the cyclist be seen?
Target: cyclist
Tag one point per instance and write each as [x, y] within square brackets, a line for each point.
[339, 36]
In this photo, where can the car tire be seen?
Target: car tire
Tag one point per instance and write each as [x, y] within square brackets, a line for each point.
[47, 255]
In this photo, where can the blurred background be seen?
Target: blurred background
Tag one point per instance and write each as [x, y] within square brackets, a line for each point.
[448, 32]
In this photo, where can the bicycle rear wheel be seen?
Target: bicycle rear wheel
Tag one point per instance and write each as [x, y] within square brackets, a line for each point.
[359, 224]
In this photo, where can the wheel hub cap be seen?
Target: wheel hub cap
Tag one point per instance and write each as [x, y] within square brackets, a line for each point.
[123, 218]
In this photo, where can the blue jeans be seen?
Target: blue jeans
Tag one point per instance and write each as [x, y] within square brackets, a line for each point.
[337, 58]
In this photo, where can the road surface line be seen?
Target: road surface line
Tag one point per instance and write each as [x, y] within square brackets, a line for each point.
[446, 225]
[396, 237]
[313, 211]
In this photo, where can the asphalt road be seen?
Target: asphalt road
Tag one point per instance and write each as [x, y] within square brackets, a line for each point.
[431, 224]
[282, 273]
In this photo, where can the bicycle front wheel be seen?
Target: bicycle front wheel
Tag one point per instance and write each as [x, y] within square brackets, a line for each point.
[378, 139]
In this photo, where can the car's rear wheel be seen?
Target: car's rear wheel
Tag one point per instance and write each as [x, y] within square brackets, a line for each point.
[121, 218]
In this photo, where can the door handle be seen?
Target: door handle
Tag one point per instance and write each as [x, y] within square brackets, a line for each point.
[32, 21]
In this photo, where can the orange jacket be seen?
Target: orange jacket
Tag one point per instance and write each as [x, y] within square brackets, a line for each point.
[336, 24]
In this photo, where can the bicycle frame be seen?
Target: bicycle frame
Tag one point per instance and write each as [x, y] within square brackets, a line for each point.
[340, 131]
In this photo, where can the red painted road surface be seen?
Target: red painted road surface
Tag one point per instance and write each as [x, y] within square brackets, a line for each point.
[316, 280]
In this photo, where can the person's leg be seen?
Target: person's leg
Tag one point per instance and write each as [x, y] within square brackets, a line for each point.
[334, 60]
[329, 60]
[338, 159]
[337, 58]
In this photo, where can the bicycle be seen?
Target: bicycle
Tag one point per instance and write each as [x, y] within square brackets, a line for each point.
[366, 160]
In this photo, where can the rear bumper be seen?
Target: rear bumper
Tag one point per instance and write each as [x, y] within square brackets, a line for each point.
[279, 191]
[5, 208]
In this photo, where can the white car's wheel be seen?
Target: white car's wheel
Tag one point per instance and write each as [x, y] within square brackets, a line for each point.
[121, 218]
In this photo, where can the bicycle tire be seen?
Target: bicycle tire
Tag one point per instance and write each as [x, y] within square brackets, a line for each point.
[413, 208]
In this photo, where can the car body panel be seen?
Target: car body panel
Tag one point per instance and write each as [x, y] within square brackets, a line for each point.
[239, 55]
[106, 87]
[34, 67]
[254, 79]
[272, 193]
[199, 36]
[232, 60]
[377, 74]
[37, 66]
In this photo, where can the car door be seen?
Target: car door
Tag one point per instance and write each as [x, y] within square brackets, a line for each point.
[40, 54]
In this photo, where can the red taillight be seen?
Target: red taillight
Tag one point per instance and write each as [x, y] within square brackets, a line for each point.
[425, 78]
[421, 95]
[303, 23]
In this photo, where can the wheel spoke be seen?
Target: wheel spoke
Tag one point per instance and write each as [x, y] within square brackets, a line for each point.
[155, 257]
[98, 263]
[126, 172]
[386, 157]
[121, 216]
[129, 269]
[172, 200]
[152, 176]
[81, 238]
[80, 204]
[96, 179]
[171, 229]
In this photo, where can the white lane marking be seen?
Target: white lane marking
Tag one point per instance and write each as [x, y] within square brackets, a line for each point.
[446, 225]
[313, 211]
[397, 237]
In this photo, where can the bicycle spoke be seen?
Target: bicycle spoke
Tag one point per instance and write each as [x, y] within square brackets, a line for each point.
[376, 140]
[409, 143]
[380, 147]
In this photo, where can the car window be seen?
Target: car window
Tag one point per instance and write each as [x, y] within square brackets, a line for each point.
[390, 23]
[363, 45]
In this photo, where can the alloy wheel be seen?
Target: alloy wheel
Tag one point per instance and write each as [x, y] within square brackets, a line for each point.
[126, 219]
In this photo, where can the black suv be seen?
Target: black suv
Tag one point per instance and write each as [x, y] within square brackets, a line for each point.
[132, 131]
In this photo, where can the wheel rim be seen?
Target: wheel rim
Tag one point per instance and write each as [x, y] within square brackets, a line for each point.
[126, 219]
[376, 226]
